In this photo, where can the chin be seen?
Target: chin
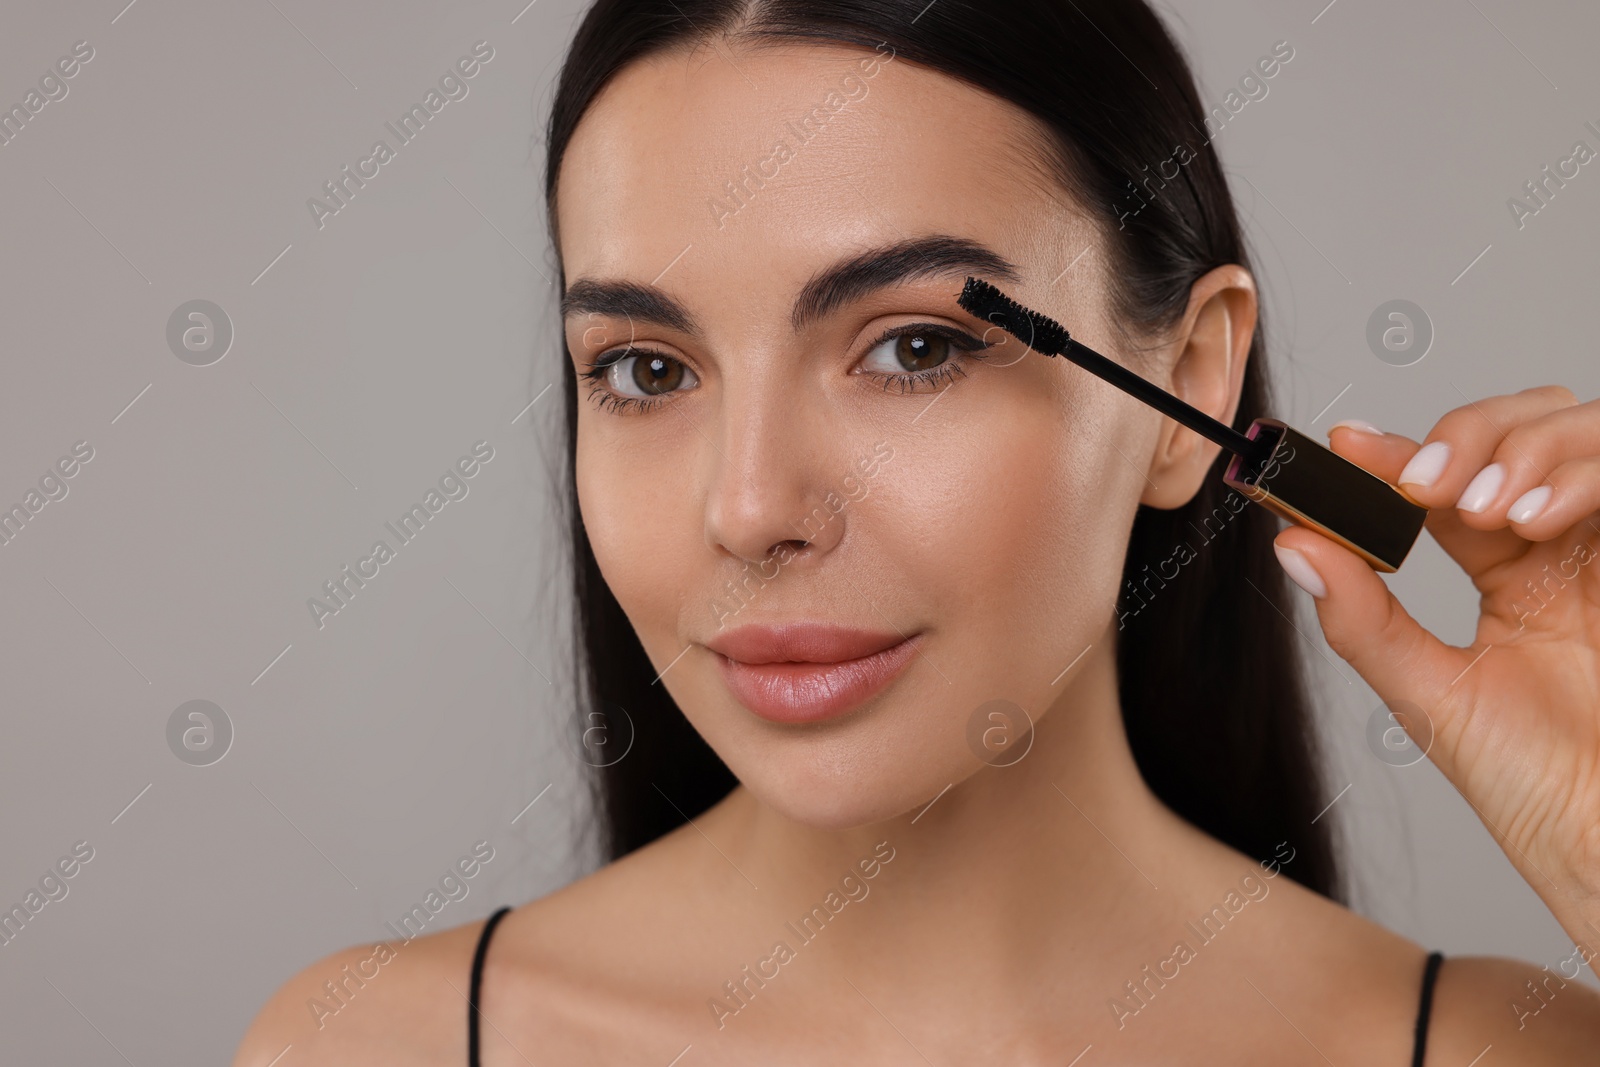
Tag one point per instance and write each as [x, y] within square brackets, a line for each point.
[843, 782]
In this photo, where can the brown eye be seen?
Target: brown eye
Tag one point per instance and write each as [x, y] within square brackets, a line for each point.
[656, 374]
[920, 351]
[647, 374]
[919, 348]
[920, 354]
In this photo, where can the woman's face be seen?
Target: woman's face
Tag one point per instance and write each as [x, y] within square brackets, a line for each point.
[977, 503]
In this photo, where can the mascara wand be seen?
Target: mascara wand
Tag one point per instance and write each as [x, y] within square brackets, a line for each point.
[1273, 464]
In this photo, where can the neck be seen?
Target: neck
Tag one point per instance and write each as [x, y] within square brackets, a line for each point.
[1065, 853]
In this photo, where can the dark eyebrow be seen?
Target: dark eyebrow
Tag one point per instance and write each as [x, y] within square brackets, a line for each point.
[847, 280]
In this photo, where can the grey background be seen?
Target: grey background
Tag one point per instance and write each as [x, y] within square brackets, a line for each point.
[370, 354]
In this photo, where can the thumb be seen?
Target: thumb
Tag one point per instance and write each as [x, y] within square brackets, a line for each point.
[1367, 626]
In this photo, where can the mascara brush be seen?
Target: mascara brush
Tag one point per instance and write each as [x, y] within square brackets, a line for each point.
[1273, 464]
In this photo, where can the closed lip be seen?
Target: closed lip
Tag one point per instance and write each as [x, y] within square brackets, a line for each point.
[801, 642]
[807, 672]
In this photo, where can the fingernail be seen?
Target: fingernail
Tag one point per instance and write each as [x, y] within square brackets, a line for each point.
[1300, 569]
[1426, 466]
[1527, 507]
[1483, 488]
[1354, 424]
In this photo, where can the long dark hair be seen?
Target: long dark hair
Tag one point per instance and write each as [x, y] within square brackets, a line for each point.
[1212, 685]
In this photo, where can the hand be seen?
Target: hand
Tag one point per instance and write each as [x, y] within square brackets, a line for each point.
[1514, 487]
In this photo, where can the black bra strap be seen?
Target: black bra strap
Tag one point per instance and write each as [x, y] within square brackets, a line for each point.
[477, 983]
[1429, 973]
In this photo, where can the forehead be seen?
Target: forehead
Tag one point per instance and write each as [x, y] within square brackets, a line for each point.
[785, 158]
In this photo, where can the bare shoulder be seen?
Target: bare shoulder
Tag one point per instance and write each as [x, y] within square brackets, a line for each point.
[562, 972]
[599, 971]
[1521, 1012]
[399, 1003]
[1528, 1014]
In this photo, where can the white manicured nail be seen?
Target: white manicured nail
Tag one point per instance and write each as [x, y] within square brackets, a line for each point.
[1426, 466]
[1483, 488]
[1300, 569]
[1527, 507]
[1355, 424]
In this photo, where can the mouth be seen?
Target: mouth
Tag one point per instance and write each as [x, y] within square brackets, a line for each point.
[807, 672]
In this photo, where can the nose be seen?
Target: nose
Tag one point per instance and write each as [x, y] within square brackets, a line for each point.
[772, 461]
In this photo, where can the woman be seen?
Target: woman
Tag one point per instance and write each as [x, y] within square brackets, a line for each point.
[1039, 807]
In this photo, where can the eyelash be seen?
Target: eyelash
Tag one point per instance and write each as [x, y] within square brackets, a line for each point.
[968, 348]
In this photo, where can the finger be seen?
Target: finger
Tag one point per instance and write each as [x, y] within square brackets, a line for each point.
[1569, 496]
[1367, 626]
[1464, 441]
[1460, 445]
[1476, 551]
[1524, 461]
[1386, 455]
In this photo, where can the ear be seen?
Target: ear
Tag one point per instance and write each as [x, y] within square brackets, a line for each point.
[1212, 344]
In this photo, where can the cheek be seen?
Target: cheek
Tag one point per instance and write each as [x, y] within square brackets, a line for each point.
[634, 512]
[1012, 529]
